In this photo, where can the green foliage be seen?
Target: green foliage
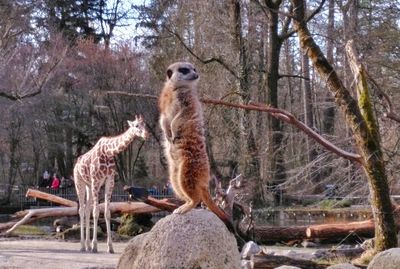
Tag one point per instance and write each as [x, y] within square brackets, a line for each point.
[132, 225]
[29, 230]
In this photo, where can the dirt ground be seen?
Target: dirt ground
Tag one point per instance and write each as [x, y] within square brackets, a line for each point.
[53, 254]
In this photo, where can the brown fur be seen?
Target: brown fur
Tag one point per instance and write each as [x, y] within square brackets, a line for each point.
[181, 118]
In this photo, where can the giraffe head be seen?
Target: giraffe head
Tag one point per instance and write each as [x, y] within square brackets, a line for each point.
[139, 127]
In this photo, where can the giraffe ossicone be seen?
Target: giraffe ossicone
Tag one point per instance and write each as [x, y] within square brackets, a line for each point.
[96, 168]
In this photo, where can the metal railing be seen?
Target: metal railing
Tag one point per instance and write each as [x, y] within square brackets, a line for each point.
[19, 199]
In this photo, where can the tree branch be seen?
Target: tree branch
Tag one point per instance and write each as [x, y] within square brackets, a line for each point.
[275, 112]
[204, 61]
[390, 113]
[289, 118]
[38, 85]
[292, 76]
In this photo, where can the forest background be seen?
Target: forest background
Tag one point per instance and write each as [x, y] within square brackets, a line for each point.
[73, 71]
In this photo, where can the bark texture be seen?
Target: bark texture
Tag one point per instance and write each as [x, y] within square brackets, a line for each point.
[366, 134]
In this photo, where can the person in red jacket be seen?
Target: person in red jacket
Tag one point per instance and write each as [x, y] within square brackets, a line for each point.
[55, 183]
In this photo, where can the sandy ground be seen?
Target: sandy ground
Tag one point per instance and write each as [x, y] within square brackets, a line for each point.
[53, 254]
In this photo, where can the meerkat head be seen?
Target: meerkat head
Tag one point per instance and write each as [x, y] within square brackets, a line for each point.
[182, 74]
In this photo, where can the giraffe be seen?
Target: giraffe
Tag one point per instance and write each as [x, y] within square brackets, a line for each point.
[94, 169]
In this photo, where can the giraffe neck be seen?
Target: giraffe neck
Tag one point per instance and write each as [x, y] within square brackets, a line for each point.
[117, 144]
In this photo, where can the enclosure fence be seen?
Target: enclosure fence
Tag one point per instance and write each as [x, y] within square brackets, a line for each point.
[18, 195]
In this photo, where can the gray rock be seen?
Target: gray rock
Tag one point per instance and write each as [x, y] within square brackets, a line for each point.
[388, 259]
[343, 266]
[319, 254]
[250, 248]
[197, 239]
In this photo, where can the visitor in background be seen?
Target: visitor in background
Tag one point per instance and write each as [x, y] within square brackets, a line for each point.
[45, 180]
[55, 184]
[63, 183]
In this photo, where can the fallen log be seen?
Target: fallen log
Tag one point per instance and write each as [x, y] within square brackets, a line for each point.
[30, 215]
[262, 261]
[268, 234]
[163, 204]
[341, 230]
[50, 197]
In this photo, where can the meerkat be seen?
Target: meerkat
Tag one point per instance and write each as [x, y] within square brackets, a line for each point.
[181, 119]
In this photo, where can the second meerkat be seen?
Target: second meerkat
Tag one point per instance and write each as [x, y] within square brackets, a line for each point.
[181, 119]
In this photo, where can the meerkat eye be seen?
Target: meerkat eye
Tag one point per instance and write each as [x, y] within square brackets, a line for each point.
[169, 73]
[184, 70]
[194, 69]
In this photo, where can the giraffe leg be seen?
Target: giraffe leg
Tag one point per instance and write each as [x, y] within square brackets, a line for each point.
[88, 211]
[96, 213]
[107, 214]
[80, 191]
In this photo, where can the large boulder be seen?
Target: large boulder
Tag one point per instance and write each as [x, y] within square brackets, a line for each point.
[388, 259]
[197, 239]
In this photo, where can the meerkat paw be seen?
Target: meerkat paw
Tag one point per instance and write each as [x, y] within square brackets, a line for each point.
[178, 210]
[183, 208]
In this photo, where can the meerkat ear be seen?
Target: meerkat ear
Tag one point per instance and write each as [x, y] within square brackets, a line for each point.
[169, 73]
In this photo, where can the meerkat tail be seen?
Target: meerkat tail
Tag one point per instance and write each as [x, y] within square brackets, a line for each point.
[207, 200]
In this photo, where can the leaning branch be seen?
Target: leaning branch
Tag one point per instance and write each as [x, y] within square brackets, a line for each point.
[289, 118]
[275, 112]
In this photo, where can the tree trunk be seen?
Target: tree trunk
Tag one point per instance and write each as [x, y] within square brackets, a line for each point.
[28, 216]
[275, 127]
[365, 135]
[309, 120]
[250, 161]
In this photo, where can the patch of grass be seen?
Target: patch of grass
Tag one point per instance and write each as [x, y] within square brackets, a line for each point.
[366, 257]
[329, 204]
[29, 230]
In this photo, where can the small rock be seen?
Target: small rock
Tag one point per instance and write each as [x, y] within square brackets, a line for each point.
[250, 248]
[319, 254]
[309, 244]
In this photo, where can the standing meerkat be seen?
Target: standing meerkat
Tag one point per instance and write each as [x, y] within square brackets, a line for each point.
[181, 119]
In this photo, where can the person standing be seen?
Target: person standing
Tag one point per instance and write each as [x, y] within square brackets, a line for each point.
[55, 184]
